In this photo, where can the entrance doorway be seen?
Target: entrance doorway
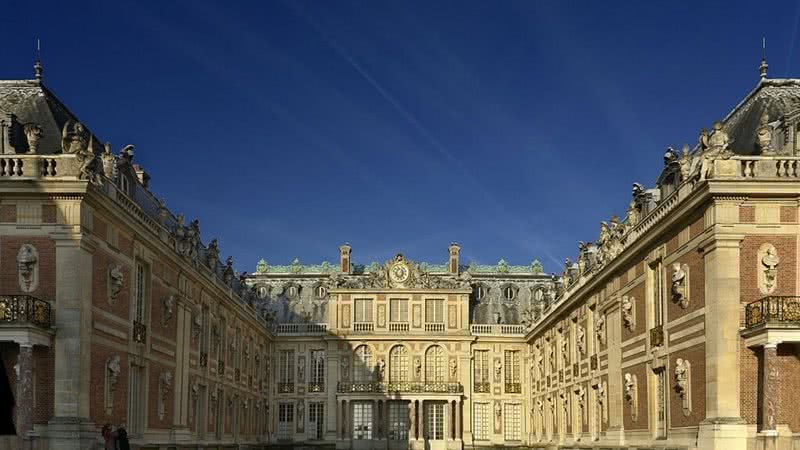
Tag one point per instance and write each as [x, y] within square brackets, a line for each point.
[435, 426]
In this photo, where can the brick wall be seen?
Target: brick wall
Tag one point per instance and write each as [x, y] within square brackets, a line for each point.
[788, 392]
[642, 420]
[749, 383]
[640, 308]
[153, 420]
[696, 289]
[749, 265]
[697, 359]
[119, 411]
[44, 369]
[101, 262]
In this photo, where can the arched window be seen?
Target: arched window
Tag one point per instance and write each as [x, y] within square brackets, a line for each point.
[362, 365]
[320, 292]
[509, 292]
[480, 292]
[434, 364]
[398, 360]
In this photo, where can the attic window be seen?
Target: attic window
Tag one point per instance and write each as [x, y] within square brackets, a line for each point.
[262, 292]
[480, 292]
[509, 292]
[320, 292]
[292, 291]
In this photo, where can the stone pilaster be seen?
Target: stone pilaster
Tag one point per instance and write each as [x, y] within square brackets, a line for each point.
[723, 427]
[615, 433]
[412, 434]
[180, 418]
[71, 428]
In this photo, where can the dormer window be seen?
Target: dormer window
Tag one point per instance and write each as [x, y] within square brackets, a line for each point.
[509, 292]
[320, 292]
[262, 292]
[480, 292]
[292, 291]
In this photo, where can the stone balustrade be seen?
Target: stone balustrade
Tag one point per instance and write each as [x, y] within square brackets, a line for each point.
[301, 328]
[38, 166]
[498, 329]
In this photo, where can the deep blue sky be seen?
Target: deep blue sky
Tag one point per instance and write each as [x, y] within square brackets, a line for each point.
[287, 128]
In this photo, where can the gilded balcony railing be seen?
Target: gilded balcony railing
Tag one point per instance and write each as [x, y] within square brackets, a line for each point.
[25, 309]
[316, 387]
[285, 388]
[139, 332]
[773, 310]
[482, 388]
[513, 388]
[403, 386]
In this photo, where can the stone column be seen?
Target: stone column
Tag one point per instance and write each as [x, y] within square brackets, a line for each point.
[616, 404]
[331, 377]
[346, 427]
[181, 400]
[420, 420]
[412, 434]
[458, 420]
[376, 420]
[723, 427]
[24, 403]
[70, 428]
[769, 394]
[448, 421]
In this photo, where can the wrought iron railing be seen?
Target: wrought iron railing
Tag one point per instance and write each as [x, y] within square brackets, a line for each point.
[285, 388]
[139, 332]
[657, 336]
[25, 309]
[403, 386]
[513, 388]
[316, 387]
[482, 388]
[773, 310]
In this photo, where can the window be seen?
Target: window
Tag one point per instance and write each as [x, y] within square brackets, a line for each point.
[286, 366]
[320, 292]
[362, 420]
[285, 420]
[363, 310]
[262, 292]
[136, 396]
[511, 424]
[479, 292]
[434, 364]
[512, 366]
[481, 370]
[124, 185]
[317, 371]
[398, 310]
[141, 284]
[398, 364]
[434, 311]
[292, 291]
[316, 419]
[434, 420]
[480, 421]
[362, 365]
[398, 420]
[509, 292]
[657, 293]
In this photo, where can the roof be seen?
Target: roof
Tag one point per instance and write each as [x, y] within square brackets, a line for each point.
[31, 102]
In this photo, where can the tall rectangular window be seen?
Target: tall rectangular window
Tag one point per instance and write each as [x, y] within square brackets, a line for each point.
[481, 365]
[136, 395]
[434, 311]
[317, 380]
[512, 366]
[316, 418]
[511, 424]
[434, 420]
[362, 420]
[141, 286]
[285, 420]
[398, 420]
[658, 293]
[480, 421]
[363, 310]
[286, 366]
[398, 310]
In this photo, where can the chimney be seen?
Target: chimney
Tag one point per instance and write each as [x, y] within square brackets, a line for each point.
[143, 176]
[455, 250]
[344, 258]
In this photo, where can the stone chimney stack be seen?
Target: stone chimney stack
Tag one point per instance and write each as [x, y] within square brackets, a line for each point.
[344, 258]
[455, 250]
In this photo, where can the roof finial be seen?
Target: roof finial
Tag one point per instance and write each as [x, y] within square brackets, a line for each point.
[762, 69]
[37, 66]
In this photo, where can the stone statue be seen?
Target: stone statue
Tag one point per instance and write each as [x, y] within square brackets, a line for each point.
[600, 327]
[115, 280]
[681, 376]
[498, 369]
[764, 134]
[453, 368]
[770, 262]
[33, 132]
[580, 335]
[679, 285]
[108, 161]
[381, 372]
[630, 387]
[90, 166]
[685, 162]
[227, 275]
[164, 388]
[28, 268]
[627, 312]
[345, 367]
[74, 138]
[112, 376]
[418, 367]
[301, 369]
[300, 412]
[714, 147]
[167, 309]
[212, 254]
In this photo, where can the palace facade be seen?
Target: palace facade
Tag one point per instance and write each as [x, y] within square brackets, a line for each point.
[677, 327]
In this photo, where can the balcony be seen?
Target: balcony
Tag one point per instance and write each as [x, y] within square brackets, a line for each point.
[398, 327]
[316, 387]
[25, 309]
[285, 388]
[363, 327]
[284, 329]
[139, 332]
[513, 388]
[482, 388]
[401, 387]
[434, 328]
[498, 330]
[779, 312]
